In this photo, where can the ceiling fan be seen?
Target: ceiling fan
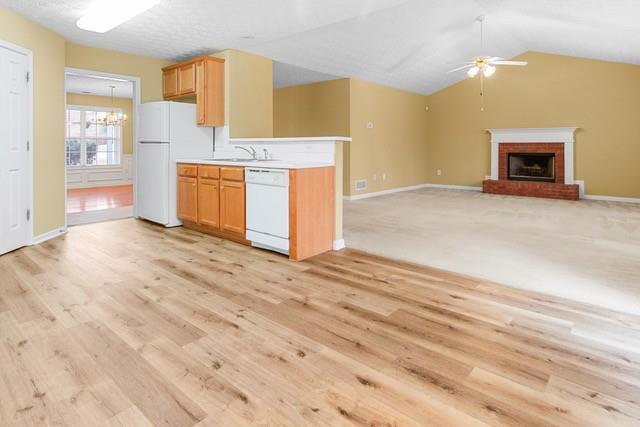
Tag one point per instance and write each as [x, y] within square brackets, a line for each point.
[485, 66]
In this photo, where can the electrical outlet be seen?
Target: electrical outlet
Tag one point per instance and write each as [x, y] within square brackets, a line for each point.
[361, 184]
[439, 172]
[384, 176]
[370, 125]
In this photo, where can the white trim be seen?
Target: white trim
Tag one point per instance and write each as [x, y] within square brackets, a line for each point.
[384, 192]
[48, 235]
[30, 196]
[454, 187]
[410, 188]
[136, 108]
[297, 140]
[526, 135]
[101, 176]
[88, 217]
[534, 135]
[339, 245]
[611, 198]
[471, 188]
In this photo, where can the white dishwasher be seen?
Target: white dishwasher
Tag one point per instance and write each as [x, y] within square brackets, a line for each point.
[268, 208]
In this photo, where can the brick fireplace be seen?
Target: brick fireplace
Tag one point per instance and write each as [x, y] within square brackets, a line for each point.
[532, 162]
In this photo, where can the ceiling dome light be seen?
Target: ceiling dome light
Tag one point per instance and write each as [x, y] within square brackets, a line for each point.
[489, 70]
[473, 72]
[105, 15]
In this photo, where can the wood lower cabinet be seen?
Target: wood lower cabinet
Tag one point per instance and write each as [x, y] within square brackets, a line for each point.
[188, 198]
[212, 199]
[232, 206]
[209, 202]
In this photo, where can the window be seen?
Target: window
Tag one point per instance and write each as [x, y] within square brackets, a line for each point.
[89, 141]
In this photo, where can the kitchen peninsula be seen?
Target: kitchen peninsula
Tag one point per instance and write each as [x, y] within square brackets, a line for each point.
[281, 194]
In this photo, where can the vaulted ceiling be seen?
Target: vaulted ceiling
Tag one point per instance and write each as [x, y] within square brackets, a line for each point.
[409, 44]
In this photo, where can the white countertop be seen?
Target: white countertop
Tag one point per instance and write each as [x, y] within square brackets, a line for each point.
[273, 164]
[320, 139]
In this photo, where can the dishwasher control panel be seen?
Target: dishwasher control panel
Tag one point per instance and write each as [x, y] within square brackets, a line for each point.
[276, 177]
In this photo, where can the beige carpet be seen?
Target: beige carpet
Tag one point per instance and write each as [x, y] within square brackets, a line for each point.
[586, 251]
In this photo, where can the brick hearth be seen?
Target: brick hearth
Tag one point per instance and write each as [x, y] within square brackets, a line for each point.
[532, 189]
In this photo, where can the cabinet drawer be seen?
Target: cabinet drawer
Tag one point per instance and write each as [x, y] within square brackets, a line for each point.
[209, 171]
[232, 174]
[187, 170]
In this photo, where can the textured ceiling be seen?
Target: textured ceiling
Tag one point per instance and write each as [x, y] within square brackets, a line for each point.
[408, 44]
[289, 75]
[98, 86]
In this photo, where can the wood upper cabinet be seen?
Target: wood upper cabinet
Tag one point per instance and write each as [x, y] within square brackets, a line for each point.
[170, 83]
[187, 79]
[232, 206]
[188, 198]
[202, 78]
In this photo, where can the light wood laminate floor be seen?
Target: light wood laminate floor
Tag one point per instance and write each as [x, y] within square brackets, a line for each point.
[126, 323]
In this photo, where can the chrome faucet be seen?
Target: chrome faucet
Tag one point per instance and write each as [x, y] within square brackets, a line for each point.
[250, 150]
[266, 153]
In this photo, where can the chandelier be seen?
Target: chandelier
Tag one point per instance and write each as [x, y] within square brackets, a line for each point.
[114, 118]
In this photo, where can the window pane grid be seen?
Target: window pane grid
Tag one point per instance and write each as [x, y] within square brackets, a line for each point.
[89, 140]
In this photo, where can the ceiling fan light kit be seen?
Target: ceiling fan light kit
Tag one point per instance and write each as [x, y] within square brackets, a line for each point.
[485, 66]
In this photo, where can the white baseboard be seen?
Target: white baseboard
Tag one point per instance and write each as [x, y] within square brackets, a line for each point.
[470, 188]
[453, 187]
[384, 192]
[339, 245]
[611, 198]
[89, 217]
[48, 235]
[411, 188]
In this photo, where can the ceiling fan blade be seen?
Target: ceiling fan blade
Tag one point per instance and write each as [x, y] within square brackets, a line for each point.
[518, 63]
[462, 68]
[494, 59]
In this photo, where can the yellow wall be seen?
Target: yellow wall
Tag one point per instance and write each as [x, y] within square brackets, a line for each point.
[48, 115]
[50, 56]
[148, 69]
[318, 109]
[397, 144]
[602, 98]
[125, 104]
[396, 147]
[248, 94]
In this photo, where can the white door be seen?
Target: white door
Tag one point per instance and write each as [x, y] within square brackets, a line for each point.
[14, 159]
[153, 181]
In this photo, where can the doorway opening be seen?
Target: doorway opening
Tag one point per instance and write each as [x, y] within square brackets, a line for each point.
[100, 134]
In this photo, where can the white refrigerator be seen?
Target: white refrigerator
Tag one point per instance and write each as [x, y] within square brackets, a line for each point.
[167, 131]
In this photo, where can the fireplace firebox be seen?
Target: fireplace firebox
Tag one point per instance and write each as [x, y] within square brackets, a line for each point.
[537, 167]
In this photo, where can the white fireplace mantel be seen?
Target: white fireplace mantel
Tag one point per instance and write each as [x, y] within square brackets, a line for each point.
[534, 135]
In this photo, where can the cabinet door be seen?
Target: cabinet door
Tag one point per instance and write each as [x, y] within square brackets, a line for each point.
[170, 83]
[201, 88]
[188, 198]
[232, 206]
[208, 202]
[187, 79]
